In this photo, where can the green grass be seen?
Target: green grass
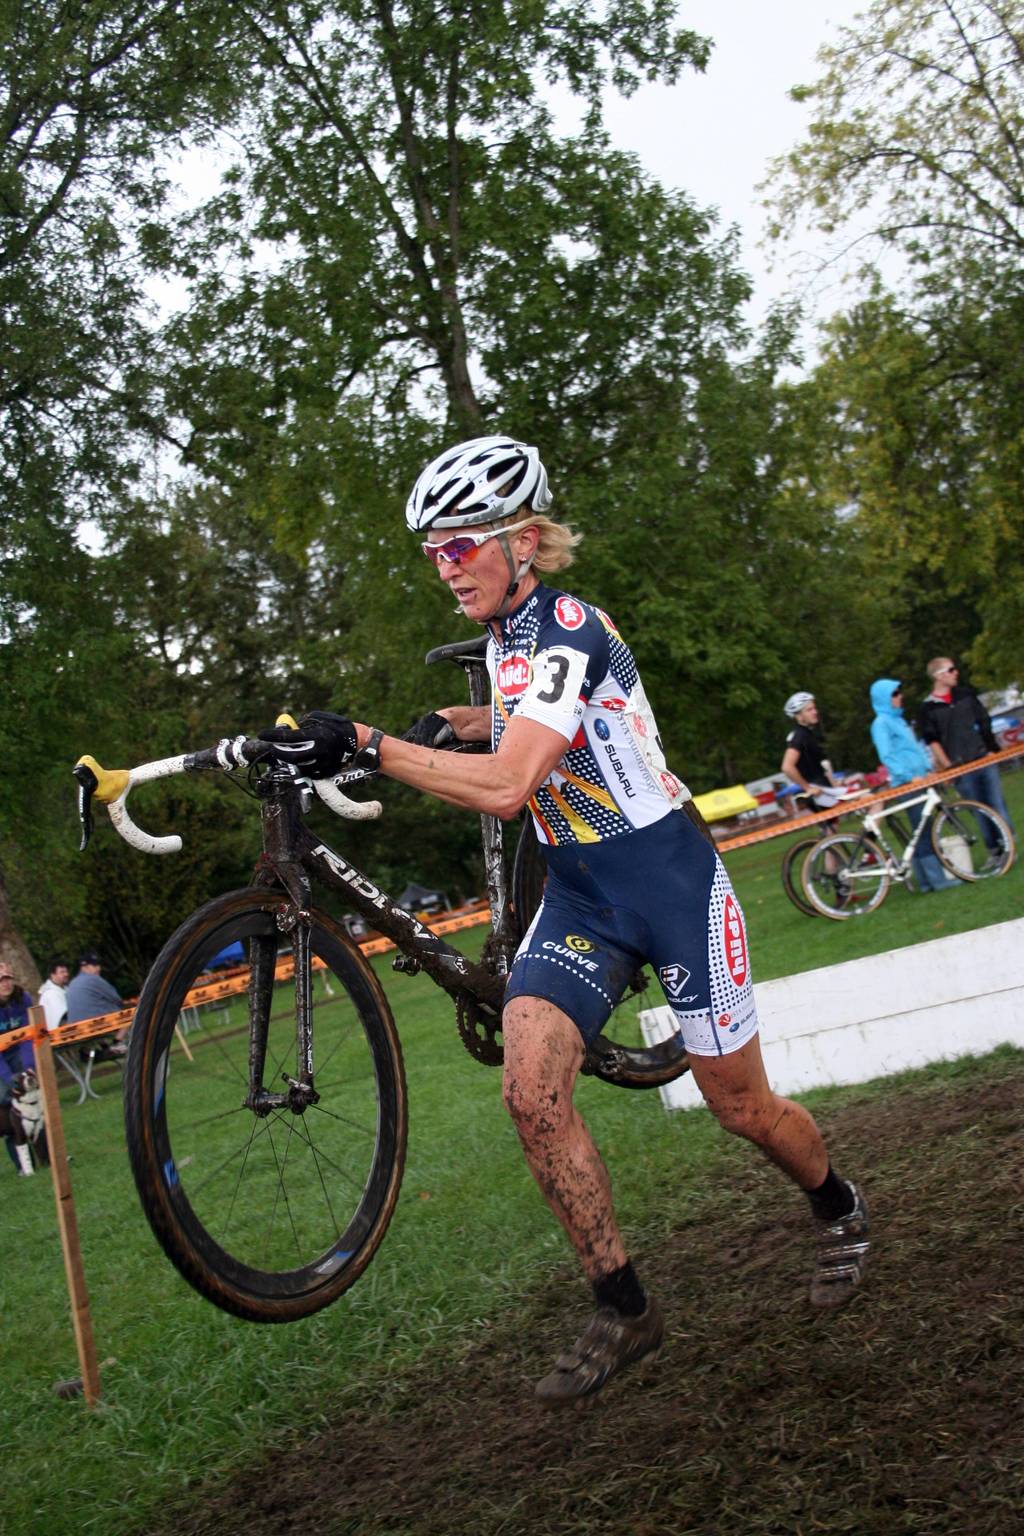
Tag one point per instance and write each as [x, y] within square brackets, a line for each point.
[189, 1392]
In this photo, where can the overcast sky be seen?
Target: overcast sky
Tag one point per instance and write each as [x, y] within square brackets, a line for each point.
[713, 135]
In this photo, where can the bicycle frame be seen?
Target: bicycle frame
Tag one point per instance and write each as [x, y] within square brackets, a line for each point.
[292, 854]
[899, 867]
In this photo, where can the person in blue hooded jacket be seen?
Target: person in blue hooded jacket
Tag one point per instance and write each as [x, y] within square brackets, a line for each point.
[906, 758]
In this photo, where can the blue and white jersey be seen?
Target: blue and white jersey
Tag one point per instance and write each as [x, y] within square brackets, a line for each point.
[563, 663]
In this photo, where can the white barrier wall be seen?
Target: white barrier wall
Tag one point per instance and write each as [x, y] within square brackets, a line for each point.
[957, 996]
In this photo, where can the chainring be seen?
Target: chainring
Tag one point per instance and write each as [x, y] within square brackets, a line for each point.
[478, 1029]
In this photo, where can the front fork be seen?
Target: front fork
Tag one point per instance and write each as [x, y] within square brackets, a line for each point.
[292, 919]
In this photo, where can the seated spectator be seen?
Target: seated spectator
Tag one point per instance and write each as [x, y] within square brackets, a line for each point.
[53, 993]
[15, 1003]
[956, 726]
[90, 995]
[906, 759]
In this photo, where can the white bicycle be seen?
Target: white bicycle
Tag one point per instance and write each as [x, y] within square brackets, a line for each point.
[849, 874]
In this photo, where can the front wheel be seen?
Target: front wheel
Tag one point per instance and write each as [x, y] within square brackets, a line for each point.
[270, 1215]
[792, 874]
[846, 876]
[971, 840]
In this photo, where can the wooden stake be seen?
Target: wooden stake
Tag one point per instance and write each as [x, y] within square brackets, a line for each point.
[66, 1219]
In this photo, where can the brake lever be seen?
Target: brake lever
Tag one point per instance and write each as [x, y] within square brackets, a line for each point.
[88, 783]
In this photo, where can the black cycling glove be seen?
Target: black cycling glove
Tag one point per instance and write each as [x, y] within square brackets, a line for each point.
[321, 746]
[431, 730]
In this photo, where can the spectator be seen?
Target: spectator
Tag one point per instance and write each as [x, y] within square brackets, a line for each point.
[906, 759]
[804, 761]
[15, 1003]
[956, 726]
[53, 993]
[89, 996]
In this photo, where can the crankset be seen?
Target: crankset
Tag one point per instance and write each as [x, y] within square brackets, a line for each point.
[479, 1029]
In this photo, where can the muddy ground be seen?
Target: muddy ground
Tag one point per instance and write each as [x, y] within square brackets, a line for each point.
[904, 1414]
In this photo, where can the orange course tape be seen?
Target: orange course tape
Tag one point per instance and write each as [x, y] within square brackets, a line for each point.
[476, 913]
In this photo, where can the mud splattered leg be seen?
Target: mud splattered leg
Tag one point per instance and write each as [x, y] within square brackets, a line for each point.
[738, 1094]
[543, 1054]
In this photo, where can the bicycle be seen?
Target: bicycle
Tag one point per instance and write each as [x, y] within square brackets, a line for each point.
[791, 870]
[849, 874]
[272, 1202]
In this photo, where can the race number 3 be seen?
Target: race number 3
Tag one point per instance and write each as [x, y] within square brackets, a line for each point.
[558, 675]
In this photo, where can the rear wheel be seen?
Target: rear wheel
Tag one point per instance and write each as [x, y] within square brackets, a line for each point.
[971, 840]
[627, 1066]
[845, 876]
[270, 1215]
[792, 874]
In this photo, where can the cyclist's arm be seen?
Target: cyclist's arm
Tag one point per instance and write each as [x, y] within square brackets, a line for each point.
[497, 783]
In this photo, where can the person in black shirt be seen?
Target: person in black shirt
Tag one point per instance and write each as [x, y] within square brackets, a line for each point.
[804, 761]
[956, 727]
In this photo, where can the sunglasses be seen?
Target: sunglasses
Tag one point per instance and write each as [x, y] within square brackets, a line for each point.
[464, 548]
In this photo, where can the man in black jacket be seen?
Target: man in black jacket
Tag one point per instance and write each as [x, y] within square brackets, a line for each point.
[956, 727]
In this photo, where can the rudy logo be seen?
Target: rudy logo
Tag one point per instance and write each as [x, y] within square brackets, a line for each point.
[513, 676]
[576, 941]
[569, 613]
[735, 941]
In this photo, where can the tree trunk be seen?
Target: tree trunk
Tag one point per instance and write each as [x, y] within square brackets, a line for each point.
[12, 947]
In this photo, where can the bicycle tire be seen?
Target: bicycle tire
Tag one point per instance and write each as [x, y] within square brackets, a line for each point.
[972, 841]
[269, 1217]
[624, 1066]
[791, 875]
[846, 876]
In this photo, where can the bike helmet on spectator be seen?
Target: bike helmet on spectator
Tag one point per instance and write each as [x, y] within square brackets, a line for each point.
[479, 481]
[796, 702]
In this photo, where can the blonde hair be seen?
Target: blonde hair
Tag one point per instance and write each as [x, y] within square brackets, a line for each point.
[556, 545]
[936, 665]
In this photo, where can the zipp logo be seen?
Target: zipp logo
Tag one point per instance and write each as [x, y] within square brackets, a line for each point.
[674, 978]
[513, 676]
[735, 941]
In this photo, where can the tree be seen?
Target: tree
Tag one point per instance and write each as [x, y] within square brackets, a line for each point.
[923, 416]
[917, 137]
[91, 98]
[917, 142]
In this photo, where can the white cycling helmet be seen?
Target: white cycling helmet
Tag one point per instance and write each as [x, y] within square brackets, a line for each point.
[796, 702]
[480, 481]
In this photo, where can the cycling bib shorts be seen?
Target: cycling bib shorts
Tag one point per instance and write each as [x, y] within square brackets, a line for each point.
[659, 895]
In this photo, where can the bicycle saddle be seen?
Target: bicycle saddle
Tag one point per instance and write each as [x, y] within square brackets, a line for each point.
[460, 651]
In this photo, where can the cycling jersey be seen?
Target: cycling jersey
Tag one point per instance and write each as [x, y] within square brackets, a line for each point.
[563, 663]
[648, 887]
